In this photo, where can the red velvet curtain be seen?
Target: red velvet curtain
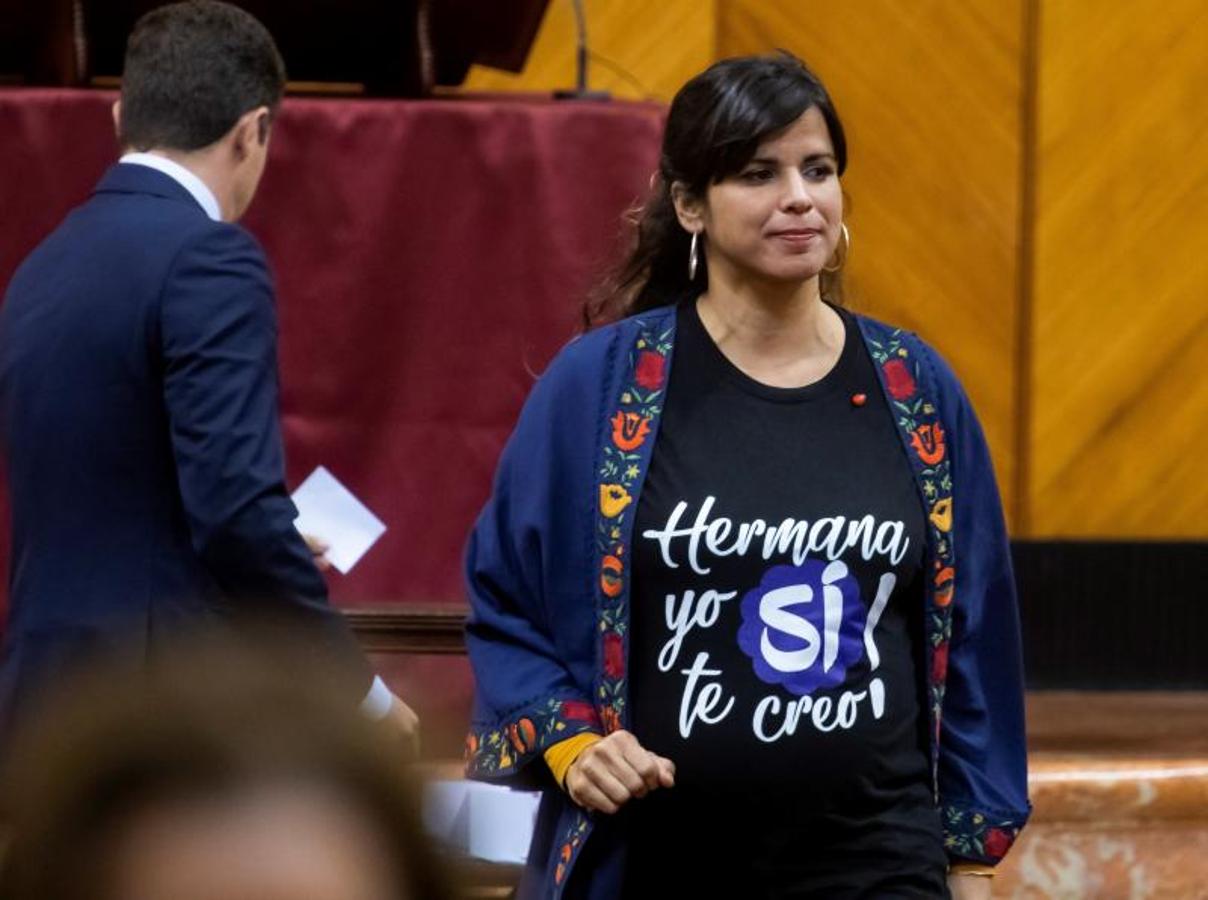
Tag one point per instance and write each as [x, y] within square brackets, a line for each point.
[431, 257]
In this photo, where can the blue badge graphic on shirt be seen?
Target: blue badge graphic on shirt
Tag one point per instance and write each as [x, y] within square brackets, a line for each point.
[803, 627]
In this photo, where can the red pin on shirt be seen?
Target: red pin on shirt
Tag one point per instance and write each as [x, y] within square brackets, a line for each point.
[859, 399]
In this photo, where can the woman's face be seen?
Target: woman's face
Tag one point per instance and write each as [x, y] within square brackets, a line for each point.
[780, 217]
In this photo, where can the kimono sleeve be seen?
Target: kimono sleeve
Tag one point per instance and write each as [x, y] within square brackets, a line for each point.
[530, 631]
[982, 777]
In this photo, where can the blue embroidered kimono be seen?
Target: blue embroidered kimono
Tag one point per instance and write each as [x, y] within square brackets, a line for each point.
[549, 591]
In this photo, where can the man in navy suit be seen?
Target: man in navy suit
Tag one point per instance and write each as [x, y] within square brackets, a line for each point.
[138, 382]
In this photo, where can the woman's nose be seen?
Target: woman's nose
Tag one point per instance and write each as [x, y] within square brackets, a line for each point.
[796, 197]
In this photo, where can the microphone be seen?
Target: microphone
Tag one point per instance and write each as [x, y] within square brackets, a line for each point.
[582, 53]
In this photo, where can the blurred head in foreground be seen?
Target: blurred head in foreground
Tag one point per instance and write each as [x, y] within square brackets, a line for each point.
[225, 774]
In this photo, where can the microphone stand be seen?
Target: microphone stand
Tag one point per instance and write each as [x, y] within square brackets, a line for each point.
[580, 91]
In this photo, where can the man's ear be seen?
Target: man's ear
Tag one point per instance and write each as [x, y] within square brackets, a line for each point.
[117, 118]
[689, 207]
[250, 131]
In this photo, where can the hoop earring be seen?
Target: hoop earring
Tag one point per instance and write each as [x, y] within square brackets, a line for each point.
[842, 257]
[693, 257]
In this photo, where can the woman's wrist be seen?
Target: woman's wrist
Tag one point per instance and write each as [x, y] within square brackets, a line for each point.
[562, 755]
[971, 868]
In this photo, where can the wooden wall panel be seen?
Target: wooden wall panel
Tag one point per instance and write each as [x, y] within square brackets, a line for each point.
[658, 45]
[1120, 352]
[930, 95]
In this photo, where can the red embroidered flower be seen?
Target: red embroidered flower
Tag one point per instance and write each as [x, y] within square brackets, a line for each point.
[998, 842]
[578, 710]
[928, 443]
[939, 663]
[614, 656]
[898, 379]
[629, 430]
[610, 719]
[649, 371]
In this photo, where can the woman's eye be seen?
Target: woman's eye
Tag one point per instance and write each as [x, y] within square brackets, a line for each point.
[819, 173]
[757, 175]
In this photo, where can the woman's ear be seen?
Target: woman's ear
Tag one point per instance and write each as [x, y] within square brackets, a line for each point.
[689, 208]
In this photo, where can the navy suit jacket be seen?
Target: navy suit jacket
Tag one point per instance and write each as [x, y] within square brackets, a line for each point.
[138, 383]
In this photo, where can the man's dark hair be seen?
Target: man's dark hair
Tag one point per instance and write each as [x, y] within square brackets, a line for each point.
[192, 69]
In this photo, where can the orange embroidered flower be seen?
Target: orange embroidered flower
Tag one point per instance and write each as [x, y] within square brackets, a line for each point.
[928, 443]
[610, 576]
[945, 581]
[629, 430]
[613, 500]
[471, 745]
[523, 735]
[941, 514]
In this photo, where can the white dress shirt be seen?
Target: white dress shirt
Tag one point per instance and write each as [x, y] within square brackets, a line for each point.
[199, 190]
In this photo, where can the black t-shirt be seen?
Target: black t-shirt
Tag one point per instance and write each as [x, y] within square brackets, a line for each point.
[776, 637]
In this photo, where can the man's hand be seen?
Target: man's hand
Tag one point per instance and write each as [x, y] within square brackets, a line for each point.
[318, 550]
[613, 771]
[402, 719]
[969, 887]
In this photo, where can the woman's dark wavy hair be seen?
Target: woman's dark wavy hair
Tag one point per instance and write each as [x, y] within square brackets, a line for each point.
[716, 123]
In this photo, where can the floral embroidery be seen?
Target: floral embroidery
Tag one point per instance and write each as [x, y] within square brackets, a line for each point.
[612, 570]
[523, 735]
[623, 461]
[941, 514]
[939, 663]
[649, 371]
[944, 583]
[923, 434]
[574, 838]
[975, 836]
[629, 430]
[614, 656]
[496, 751]
[928, 443]
[613, 500]
[898, 380]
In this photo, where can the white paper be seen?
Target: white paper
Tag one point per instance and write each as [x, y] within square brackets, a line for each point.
[485, 821]
[330, 512]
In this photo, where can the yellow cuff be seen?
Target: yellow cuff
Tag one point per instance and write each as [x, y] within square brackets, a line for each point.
[971, 868]
[561, 755]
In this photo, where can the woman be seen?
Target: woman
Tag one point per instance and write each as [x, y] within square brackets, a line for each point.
[741, 599]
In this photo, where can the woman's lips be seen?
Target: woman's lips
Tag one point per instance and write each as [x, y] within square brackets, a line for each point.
[797, 237]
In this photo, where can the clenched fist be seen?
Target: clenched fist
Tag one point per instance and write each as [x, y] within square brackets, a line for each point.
[614, 770]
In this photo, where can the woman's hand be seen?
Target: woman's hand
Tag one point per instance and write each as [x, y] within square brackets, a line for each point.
[969, 887]
[614, 770]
